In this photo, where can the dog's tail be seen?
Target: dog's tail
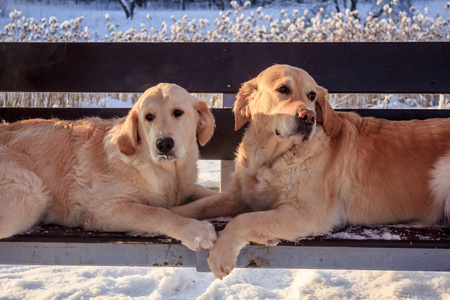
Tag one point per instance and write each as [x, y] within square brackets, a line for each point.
[440, 188]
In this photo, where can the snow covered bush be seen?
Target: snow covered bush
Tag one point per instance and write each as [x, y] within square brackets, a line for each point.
[242, 24]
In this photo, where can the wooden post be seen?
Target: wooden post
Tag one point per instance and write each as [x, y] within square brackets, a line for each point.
[227, 167]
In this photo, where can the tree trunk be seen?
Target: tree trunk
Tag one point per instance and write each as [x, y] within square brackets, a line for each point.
[128, 7]
[337, 6]
[353, 6]
[124, 5]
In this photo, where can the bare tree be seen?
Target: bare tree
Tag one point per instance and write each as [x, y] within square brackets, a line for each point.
[345, 4]
[128, 6]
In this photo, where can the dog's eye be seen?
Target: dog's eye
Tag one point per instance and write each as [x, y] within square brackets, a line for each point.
[312, 96]
[283, 89]
[150, 117]
[177, 113]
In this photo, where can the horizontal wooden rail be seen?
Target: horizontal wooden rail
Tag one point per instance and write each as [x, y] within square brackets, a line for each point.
[225, 140]
[403, 67]
[351, 247]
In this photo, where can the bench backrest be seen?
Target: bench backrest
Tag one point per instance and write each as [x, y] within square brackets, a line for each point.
[406, 67]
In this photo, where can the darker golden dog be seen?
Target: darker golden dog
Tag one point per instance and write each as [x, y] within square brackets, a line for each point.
[303, 168]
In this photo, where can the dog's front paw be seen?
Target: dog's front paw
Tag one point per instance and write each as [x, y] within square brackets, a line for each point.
[222, 257]
[198, 234]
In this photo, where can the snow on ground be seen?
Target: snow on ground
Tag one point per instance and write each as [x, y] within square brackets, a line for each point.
[43, 282]
[61, 282]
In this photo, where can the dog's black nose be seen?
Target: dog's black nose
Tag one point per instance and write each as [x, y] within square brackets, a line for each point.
[165, 144]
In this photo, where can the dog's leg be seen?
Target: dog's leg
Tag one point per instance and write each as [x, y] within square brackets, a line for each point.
[201, 192]
[143, 219]
[228, 203]
[265, 227]
[23, 198]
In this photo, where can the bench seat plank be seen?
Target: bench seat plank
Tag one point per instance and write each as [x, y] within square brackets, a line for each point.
[401, 247]
[395, 236]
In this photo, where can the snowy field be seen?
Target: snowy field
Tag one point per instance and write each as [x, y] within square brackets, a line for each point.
[60, 282]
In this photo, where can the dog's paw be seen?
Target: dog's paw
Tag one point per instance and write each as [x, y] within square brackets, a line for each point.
[222, 257]
[198, 235]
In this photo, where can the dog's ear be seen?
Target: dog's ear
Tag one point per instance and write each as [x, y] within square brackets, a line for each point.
[326, 116]
[127, 135]
[206, 123]
[242, 113]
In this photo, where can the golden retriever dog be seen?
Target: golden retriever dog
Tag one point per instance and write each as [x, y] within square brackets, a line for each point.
[109, 175]
[303, 168]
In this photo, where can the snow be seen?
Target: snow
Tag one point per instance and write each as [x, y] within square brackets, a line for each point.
[367, 234]
[49, 282]
[81, 282]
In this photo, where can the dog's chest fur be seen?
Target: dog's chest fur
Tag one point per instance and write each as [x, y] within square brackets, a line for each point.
[287, 175]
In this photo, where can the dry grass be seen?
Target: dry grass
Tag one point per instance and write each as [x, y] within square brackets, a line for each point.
[16, 99]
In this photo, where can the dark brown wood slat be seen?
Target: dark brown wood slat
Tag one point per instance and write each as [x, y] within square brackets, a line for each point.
[407, 67]
[222, 145]
[225, 140]
[348, 236]
[13, 114]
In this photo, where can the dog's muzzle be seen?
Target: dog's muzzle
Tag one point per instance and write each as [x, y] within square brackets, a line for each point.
[301, 125]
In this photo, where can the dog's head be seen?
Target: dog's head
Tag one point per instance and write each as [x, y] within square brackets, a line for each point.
[291, 102]
[164, 123]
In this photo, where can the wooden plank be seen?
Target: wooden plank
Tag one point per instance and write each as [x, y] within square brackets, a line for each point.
[225, 140]
[223, 116]
[227, 167]
[401, 67]
[349, 236]
[96, 254]
[222, 145]
[13, 114]
[348, 258]
[252, 256]
[350, 247]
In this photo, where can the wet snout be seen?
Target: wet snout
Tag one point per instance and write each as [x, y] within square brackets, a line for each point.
[307, 116]
[306, 123]
[165, 145]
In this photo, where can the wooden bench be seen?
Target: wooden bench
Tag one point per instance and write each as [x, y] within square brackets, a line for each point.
[221, 68]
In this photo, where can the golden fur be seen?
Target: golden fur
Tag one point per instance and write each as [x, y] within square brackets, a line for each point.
[108, 175]
[293, 182]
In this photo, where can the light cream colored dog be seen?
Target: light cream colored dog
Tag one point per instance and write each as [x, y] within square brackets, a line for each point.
[303, 168]
[109, 175]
